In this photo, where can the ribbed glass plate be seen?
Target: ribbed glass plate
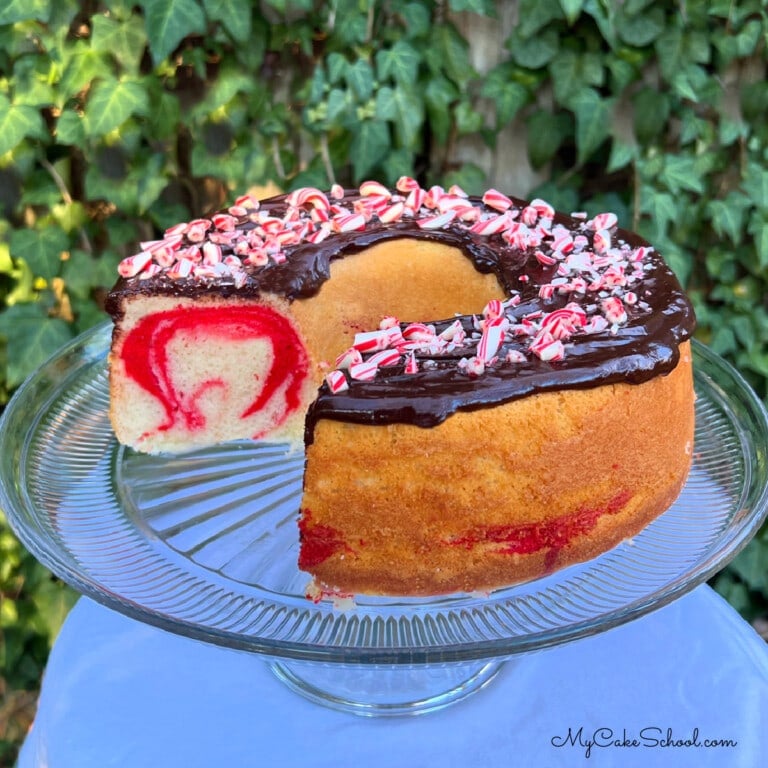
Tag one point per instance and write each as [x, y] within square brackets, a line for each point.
[206, 544]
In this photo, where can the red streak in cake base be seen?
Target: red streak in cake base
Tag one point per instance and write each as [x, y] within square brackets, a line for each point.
[145, 357]
[552, 535]
[318, 542]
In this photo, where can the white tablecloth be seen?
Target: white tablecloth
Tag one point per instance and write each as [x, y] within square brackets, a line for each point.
[684, 686]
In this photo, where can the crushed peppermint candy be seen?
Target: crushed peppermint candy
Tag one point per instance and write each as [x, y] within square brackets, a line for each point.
[591, 273]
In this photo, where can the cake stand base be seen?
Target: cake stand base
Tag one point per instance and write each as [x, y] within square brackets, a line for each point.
[383, 690]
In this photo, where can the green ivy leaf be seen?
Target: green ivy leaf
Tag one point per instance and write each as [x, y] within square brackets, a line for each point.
[508, 96]
[52, 601]
[123, 39]
[650, 112]
[603, 14]
[545, 132]
[755, 184]
[439, 95]
[235, 16]
[229, 82]
[469, 177]
[623, 74]
[416, 18]
[165, 116]
[400, 62]
[337, 66]
[641, 29]
[448, 52]
[534, 52]
[728, 216]
[468, 119]
[351, 24]
[83, 64]
[69, 128]
[572, 73]
[694, 83]
[82, 272]
[111, 102]
[359, 77]
[571, 9]
[17, 122]
[593, 121]
[168, 22]
[752, 566]
[534, 15]
[740, 45]
[681, 173]
[339, 105]
[758, 228]
[32, 337]
[404, 108]
[33, 79]
[13, 11]
[41, 249]
[622, 154]
[661, 210]
[370, 143]
[150, 181]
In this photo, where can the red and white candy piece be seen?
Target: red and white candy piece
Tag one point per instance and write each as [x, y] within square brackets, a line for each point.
[492, 338]
[182, 268]
[613, 309]
[368, 188]
[602, 241]
[211, 254]
[472, 366]
[515, 356]
[374, 341]
[406, 184]
[547, 348]
[392, 213]
[197, 229]
[364, 371]
[491, 226]
[132, 265]
[543, 208]
[348, 358]
[385, 359]
[454, 333]
[336, 381]
[349, 222]
[419, 332]
[495, 199]
[308, 196]
[436, 222]
[604, 221]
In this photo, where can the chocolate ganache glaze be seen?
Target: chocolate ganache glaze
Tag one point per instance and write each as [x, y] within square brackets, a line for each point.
[589, 303]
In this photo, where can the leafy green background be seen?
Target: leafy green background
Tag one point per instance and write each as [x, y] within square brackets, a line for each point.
[121, 117]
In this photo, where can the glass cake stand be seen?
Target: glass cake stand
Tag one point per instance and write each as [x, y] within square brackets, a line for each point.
[206, 545]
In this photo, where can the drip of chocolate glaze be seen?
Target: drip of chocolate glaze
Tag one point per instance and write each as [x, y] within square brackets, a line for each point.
[645, 346]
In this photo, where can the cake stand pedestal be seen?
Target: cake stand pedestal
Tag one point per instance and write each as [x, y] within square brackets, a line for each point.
[205, 545]
[380, 690]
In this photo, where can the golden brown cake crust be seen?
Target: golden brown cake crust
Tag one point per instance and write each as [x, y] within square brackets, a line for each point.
[405, 510]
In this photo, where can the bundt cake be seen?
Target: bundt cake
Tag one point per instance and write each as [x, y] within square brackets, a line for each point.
[487, 390]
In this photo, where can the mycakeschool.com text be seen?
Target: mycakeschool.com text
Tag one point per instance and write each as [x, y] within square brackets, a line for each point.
[590, 740]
